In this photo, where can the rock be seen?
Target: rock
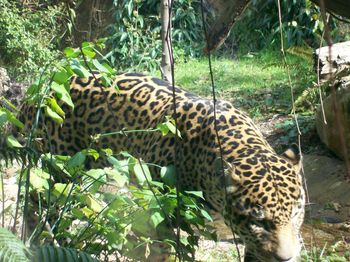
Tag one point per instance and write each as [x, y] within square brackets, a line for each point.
[331, 62]
[337, 207]
[329, 132]
[4, 80]
[12, 91]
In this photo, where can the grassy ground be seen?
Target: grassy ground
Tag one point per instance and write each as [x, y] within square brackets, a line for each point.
[258, 83]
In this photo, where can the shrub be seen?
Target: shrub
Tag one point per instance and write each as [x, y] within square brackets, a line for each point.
[28, 37]
[100, 222]
[135, 36]
[259, 27]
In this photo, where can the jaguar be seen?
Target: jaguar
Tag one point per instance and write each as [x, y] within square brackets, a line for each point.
[258, 192]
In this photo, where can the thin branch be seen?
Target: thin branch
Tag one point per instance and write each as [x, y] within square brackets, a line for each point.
[215, 119]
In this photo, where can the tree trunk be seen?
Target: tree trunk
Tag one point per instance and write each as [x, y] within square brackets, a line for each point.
[92, 19]
[166, 64]
[221, 15]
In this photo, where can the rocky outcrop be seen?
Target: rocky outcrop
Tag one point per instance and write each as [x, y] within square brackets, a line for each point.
[10, 90]
[333, 126]
[334, 61]
[4, 80]
[329, 130]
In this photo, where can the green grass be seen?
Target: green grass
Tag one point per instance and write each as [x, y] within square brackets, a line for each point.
[258, 83]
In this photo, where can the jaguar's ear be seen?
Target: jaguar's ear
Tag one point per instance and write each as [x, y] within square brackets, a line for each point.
[293, 156]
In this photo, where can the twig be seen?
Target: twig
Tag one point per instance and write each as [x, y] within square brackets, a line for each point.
[215, 120]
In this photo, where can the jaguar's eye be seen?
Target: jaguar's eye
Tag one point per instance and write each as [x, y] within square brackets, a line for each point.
[264, 223]
[258, 213]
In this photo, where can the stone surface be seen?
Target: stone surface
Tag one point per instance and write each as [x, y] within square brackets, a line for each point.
[12, 91]
[332, 60]
[4, 80]
[329, 131]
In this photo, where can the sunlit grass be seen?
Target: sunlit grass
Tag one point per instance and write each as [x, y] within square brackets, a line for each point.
[243, 80]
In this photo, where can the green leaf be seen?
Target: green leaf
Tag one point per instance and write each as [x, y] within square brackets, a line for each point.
[10, 117]
[142, 173]
[3, 118]
[121, 180]
[107, 151]
[163, 128]
[106, 81]
[168, 175]
[87, 212]
[12, 249]
[141, 223]
[52, 254]
[72, 52]
[191, 216]
[61, 77]
[157, 218]
[88, 52]
[91, 152]
[78, 213]
[62, 93]
[79, 70]
[56, 117]
[196, 193]
[97, 174]
[184, 241]
[118, 203]
[172, 128]
[55, 107]
[92, 203]
[206, 214]
[61, 189]
[77, 160]
[11, 141]
[110, 69]
[99, 66]
[13, 120]
[121, 166]
[126, 154]
[115, 240]
[39, 180]
[123, 37]
[157, 184]
[130, 7]
[33, 89]
[168, 125]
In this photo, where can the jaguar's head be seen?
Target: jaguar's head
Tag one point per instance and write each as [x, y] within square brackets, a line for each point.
[265, 204]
